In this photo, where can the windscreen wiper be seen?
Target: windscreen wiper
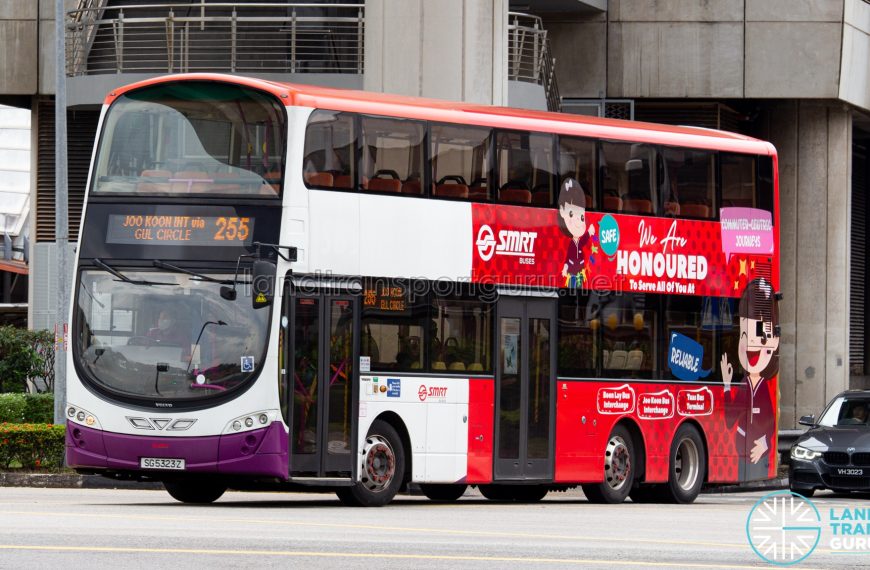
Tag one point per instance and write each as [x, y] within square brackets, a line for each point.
[103, 265]
[163, 265]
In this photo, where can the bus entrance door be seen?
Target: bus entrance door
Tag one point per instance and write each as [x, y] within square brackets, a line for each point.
[321, 387]
[524, 389]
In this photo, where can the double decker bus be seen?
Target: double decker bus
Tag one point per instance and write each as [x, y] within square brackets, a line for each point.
[293, 287]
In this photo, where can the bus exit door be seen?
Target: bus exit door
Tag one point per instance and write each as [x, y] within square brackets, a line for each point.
[321, 384]
[525, 406]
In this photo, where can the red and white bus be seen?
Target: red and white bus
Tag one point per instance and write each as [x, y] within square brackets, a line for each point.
[292, 287]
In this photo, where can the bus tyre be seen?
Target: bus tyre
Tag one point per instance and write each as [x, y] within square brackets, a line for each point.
[443, 493]
[688, 466]
[647, 493]
[500, 493]
[195, 492]
[619, 468]
[382, 469]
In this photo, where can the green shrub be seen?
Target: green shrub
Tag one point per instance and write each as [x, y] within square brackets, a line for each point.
[27, 408]
[31, 446]
[26, 355]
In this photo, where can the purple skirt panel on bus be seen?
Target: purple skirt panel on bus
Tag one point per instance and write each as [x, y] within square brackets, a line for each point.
[262, 452]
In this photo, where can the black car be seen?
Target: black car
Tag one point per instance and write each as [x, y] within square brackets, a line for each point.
[835, 452]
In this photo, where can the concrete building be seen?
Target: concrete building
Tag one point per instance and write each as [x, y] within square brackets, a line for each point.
[796, 72]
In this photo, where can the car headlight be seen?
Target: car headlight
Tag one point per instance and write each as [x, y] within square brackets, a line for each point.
[799, 452]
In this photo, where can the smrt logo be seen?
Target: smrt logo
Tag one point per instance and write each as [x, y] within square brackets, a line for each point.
[431, 392]
[510, 242]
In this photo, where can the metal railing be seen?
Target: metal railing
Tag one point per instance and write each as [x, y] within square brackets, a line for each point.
[198, 36]
[529, 56]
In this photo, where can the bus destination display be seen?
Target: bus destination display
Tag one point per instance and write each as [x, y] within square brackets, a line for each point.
[385, 297]
[179, 230]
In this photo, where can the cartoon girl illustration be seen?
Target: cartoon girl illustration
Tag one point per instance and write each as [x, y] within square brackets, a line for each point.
[748, 404]
[572, 220]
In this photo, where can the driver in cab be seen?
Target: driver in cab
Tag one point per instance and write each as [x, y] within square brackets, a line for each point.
[168, 332]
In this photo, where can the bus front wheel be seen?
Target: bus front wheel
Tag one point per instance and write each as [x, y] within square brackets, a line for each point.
[382, 469]
[195, 492]
[619, 469]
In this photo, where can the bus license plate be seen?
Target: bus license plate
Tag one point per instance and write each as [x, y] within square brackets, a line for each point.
[854, 472]
[161, 463]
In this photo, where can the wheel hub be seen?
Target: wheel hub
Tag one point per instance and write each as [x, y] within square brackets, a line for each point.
[379, 464]
[687, 464]
[617, 463]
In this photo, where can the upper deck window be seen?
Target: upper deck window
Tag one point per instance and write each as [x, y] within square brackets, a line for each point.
[192, 138]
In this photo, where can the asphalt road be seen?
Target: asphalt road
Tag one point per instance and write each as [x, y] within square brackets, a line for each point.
[85, 528]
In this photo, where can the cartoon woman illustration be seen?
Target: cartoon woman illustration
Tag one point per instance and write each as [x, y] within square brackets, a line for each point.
[748, 404]
[572, 220]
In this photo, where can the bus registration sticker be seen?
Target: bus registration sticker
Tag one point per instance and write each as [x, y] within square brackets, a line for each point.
[161, 463]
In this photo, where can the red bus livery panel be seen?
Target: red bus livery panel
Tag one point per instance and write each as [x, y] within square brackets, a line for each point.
[525, 246]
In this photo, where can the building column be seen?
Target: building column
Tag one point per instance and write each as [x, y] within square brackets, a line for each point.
[451, 49]
[813, 140]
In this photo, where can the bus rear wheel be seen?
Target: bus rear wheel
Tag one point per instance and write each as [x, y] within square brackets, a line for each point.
[688, 465]
[619, 469]
[514, 493]
[443, 493]
[195, 492]
[382, 470]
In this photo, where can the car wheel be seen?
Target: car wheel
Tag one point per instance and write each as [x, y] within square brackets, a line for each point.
[382, 469]
[619, 469]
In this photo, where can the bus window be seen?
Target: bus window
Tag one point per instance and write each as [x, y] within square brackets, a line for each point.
[330, 149]
[577, 161]
[738, 180]
[524, 168]
[697, 318]
[461, 334]
[192, 138]
[628, 178]
[690, 183]
[460, 162]
[392, 159]
[578, 356]
[629, 333]
[393, 327]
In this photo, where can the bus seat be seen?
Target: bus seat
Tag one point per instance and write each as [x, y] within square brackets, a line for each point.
[606, 360]
[416, 365]
[696, 210]
[322, 179]
[160, 184]
[515, 195]
[541, 198]
[342, 181]
[478, 193]
[637, 206]
[452, 190]
[635, 360]
[439, 365]
[613, 203]
[384, 185]
[457, 366]
[672, 208]
[273, 177]
[475, 367]
[618, 359]
[223, 183]
[412, 187]
[185, 181]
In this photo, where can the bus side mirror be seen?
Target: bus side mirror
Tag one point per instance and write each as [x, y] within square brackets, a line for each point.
[263, 283]
[807, 421]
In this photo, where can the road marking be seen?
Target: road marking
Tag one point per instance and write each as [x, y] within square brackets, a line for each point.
[359, 555]
[421, 530]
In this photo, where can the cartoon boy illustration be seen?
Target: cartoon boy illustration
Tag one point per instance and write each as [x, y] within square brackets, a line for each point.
[748, 404]
[572, 220]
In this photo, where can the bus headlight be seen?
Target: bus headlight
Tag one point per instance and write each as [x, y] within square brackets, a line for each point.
[254, 420]
[800, 452]
[79, 416]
